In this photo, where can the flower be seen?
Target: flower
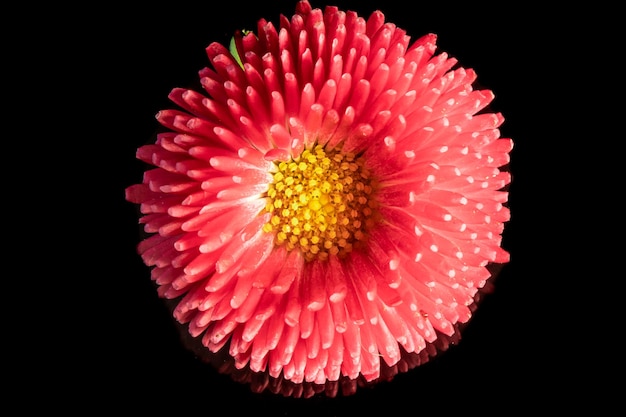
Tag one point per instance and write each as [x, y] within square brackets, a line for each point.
[333, 199]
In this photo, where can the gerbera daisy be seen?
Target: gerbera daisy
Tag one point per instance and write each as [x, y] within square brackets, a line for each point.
[333, 198]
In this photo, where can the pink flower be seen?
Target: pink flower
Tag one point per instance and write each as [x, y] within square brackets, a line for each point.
[335, 197]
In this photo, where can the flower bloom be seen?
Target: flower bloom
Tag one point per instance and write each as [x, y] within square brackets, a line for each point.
[332, 199]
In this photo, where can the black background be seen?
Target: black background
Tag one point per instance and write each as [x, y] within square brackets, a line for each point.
[510, 357]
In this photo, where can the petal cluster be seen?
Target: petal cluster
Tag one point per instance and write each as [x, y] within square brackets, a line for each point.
[325, 79]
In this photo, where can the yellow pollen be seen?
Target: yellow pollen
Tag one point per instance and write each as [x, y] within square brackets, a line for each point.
[322, 203]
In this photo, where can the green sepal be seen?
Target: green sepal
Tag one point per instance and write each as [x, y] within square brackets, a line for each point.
[233, 47]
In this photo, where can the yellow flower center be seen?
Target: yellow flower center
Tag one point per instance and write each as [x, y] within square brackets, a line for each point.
[321, 203]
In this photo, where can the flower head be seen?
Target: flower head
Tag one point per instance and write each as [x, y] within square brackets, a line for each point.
[332, 199]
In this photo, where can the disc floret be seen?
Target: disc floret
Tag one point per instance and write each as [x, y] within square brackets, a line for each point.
[321, 203]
